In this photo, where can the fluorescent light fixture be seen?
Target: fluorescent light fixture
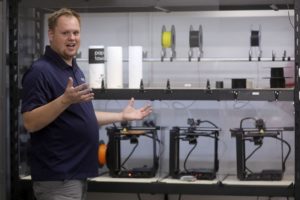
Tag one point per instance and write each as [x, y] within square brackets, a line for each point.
[274, 7]
[162, 9]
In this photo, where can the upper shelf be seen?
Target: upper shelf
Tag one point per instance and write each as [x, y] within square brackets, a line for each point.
[275, 94]
[254, 59]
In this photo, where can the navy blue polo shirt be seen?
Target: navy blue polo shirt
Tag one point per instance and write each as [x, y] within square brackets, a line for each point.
[67, 147]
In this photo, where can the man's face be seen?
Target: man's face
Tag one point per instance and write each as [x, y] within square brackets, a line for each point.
[65, 38]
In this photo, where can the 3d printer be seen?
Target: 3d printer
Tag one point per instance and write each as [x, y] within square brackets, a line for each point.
[191, 135]
[256, 136]
[117, 165]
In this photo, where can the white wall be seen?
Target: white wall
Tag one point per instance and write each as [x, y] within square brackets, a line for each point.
[226, 35]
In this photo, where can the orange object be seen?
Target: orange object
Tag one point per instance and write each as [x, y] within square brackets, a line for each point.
[132, 132]
[102, 153]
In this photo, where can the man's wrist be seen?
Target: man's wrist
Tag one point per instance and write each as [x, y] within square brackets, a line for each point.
[64, 100]
[122, 117]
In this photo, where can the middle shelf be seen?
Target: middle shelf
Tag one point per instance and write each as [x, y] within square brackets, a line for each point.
[280, 94]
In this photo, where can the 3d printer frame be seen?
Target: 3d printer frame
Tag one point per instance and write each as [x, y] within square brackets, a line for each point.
[178, 134]
[132, 134]
[256, 136]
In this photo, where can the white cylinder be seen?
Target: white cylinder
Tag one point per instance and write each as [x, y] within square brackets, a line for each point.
[96, 66]
[135, 66]
[114, 67]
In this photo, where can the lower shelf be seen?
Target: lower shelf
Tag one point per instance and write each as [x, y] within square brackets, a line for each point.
[229, 186]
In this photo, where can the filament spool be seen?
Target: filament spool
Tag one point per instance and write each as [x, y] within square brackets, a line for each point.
[255, 42]
[200, 40]
[168, 38]
[163, 37]
[102, 149]
[196, 38]
[196, 41]
[173, 38]
[255, 38]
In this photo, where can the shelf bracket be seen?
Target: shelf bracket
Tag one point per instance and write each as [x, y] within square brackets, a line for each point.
[273, 55]
[284, 55]
[276, 94]
[208, 90]
[235, 94]
[168, 88]
[141, 86]
[102, 86]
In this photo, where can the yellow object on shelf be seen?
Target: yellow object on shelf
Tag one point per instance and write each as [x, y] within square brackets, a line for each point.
[167, 39]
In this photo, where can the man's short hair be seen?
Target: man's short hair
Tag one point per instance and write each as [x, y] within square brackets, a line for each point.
[52, 19]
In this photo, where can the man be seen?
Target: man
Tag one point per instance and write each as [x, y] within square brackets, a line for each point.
[58, 112]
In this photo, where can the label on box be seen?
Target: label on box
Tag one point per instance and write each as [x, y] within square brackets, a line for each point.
[96, 56]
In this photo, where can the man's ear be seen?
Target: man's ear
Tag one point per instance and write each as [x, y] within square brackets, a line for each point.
[50, 34]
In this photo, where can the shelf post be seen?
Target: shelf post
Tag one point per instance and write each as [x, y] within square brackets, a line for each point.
[296, 101]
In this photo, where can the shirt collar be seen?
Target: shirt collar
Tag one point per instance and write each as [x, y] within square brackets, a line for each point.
[55, 57]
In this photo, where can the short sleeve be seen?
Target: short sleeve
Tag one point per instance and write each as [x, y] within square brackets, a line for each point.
[35, 90]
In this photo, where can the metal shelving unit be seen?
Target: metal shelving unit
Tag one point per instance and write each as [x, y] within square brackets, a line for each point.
[4, 110]
[21, 188]
[297, 101]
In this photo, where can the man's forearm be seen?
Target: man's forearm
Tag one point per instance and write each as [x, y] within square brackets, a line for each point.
[42, 116]
[105, 118]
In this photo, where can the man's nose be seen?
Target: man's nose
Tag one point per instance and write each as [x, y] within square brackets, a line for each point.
[71, 36]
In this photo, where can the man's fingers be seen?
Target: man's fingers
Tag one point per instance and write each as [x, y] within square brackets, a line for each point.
[87, 97]
[146, 108]
[81, 87]
[70, 82]
[131, 101]
[85, 91]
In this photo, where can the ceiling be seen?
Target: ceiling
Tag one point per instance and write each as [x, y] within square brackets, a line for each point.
[157, 5]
